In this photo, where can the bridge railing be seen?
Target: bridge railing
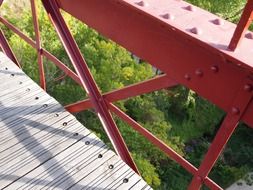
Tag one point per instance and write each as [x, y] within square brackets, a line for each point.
[222, 76]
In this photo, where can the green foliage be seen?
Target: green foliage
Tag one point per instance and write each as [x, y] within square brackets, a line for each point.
[229, 10]
[178, 116]
[148, 171]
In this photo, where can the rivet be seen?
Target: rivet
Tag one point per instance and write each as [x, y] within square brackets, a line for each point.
[235, 111]
[45, 105]
[248, 87]
[110, 167]
[167, 16]
[125, 180]
[199, 73]
[187, 77]
[100, 155]
[196, 31]
[65, 124]
[190, 8]
[142, 4]
[217, 21]
[249, 35]
[87, 142]
[75, 134]
[215, 69]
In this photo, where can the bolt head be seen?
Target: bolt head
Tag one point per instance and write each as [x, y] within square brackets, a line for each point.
[249, 35]
[235, 111]
[217, 21]
[199, 73]
[187, 77]
[190, 8]
[248, 87]
[196, 31]
[142, 4]
[167, 16]
[215, 69]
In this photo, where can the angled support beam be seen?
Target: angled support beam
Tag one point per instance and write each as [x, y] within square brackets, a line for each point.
[44, 52]
[193, 54]
[238, 108]
[243, 25]
[161, 145]
[7, 49]
[5, 45]
[151, 85]
[38, 44]
[88, 82]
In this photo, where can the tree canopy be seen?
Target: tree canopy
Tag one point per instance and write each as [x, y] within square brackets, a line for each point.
[178, 116]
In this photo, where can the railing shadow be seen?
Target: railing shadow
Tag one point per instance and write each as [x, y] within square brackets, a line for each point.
[36, 150]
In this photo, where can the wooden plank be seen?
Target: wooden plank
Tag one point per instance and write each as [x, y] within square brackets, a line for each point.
[112, 182]
[33, 157]
[84, 170]
[37, 149]
[34, 128]
[42, 138]
[133, 181]
[17, 94]
[43, 107]
[100, 174]
[19, 107]
[62, 164]
[141, 184]
[83, 167]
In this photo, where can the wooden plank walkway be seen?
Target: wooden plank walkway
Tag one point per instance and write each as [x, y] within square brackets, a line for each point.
[42, 146]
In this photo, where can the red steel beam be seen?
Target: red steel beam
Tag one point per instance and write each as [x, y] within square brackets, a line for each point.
[242, 26]
[7, 49]
[195, 57]
[44, 52]
[88, 82]
[238, 108]
[151, 85]
[38, 44]
[161, 145]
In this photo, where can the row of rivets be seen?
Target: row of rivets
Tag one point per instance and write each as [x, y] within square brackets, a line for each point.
[194, 30]
[247, 88]
[200, 73]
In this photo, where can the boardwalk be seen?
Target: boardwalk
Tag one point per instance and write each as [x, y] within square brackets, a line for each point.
[42, 146]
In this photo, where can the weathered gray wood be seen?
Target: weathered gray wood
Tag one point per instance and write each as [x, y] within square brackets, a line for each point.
[30, 119]
[42, 146]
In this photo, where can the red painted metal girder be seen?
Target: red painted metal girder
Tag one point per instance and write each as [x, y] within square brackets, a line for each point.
[162, 146]
[88, 82]
[7, 49]
[44, 52]
[238, 108]
[151, 85]
[186, 42]
[243, 26]
[38, 44]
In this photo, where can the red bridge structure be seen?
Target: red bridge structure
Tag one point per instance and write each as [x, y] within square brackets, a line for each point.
[191, 46]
